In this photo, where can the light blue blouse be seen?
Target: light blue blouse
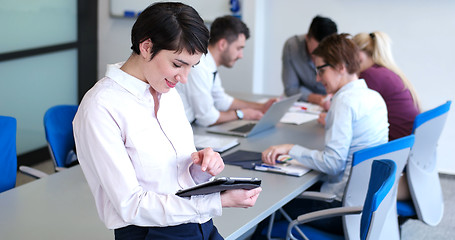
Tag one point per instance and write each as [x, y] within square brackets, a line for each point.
[357, 119]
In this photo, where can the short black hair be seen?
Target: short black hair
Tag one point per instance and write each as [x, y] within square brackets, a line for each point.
[321, 27]
[229, 28]
[170, 26]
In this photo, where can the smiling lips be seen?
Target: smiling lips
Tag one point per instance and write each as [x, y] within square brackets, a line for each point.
[170, 84]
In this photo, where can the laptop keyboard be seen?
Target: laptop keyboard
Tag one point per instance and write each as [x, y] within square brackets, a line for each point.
[244, 129]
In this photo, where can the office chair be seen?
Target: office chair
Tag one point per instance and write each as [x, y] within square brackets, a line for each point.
[8, 157]
[427, 201]
[379, 199]
[58, 128]
[357, 186]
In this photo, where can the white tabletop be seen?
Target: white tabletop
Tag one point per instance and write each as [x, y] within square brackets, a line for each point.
[61, 206]
[277, 189]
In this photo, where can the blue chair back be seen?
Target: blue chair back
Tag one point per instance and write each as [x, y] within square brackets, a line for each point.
[8, 157]
[379, 199]
[422, 174]
[357, 185]
[58, 127]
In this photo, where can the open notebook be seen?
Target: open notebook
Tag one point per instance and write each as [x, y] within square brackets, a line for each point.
[252, 160]
[291, 167]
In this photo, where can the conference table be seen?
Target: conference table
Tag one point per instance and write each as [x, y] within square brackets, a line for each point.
[277, 189]
[61, 205]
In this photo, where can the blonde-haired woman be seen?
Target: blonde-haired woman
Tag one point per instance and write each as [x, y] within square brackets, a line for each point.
[382, 74]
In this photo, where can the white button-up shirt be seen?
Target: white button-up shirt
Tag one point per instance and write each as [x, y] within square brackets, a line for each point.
[357, 119]
[203, 95]
[134, 161]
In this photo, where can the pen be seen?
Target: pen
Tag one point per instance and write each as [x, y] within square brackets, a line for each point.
[269, 166]
[283, 158]
[304, 108]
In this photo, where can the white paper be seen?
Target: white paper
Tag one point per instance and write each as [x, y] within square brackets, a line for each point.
[298, 117]
[291, 167]
[217, 143]
[306, 108]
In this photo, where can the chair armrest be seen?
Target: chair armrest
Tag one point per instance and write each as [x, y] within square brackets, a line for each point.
[32, 172]
[317, 215]
[59, 169]
[317, 196]
[326, 213]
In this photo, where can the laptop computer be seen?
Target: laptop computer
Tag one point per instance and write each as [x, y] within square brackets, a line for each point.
[245, 128]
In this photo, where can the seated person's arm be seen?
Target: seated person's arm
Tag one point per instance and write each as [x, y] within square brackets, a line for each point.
[316, 98]
[251, 110]
[227, 116]
[241, 104]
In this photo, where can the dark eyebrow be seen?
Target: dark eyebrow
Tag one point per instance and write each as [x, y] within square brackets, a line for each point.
[185, 63]
[181, 61]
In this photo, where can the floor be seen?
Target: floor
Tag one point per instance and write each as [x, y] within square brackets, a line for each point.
[46, 166]
[412, 229]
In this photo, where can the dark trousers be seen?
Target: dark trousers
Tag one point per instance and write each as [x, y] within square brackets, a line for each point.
[189, 231]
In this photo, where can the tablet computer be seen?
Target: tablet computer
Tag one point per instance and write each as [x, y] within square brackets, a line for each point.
[220, 184]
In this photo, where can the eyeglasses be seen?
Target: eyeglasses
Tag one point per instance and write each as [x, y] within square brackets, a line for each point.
[320, 69]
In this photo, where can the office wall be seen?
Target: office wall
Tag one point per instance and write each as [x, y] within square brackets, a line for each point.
[422, 32]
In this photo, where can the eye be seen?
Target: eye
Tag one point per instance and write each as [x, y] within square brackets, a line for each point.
[176, 65]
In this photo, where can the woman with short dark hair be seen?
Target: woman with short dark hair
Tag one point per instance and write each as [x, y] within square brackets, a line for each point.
[134, 143]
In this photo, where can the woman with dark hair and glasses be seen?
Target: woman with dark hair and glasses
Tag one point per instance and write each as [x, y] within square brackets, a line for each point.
[357, 119]
[134, 143]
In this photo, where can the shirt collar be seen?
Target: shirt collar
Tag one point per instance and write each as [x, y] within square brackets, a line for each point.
[132, 84]
[210, 62]
[359, 83]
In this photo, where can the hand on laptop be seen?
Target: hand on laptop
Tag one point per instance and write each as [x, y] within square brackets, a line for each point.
[266, 105]
[251, 114]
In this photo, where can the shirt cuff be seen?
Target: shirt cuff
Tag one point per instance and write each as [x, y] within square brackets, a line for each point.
[226, 104]
[297, 152]
[209, 206]
[208, 119]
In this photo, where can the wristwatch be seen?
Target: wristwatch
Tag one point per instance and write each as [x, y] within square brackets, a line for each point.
[239, 113]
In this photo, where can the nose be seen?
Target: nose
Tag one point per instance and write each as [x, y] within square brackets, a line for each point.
[318, 78]
[240, 55]
[182, 76]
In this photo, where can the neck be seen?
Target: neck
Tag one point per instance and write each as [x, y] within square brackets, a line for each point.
[367, 63]
[352, 77]
[215, 54]
[132, 67]
[348, 78]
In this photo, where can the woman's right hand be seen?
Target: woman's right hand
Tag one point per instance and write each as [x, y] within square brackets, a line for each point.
[271, 154]
[240, 197]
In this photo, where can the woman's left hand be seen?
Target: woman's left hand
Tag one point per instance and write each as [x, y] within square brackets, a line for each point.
[321, 118]
[209, 160]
